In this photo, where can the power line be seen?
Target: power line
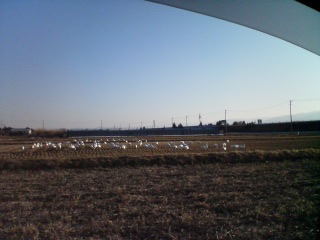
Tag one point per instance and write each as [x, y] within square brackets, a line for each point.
[190, 117]
[259, 109]
[306, 100]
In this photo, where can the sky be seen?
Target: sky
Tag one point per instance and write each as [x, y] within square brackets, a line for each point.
[131, 63]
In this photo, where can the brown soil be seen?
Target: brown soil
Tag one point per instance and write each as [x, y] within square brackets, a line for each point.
[267, 191]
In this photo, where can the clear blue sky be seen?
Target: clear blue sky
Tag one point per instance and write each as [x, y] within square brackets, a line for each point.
[75, 63]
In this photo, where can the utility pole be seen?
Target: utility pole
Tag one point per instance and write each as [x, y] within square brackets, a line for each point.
[290, 117]
[186, 121]
[154, 123]
[101, 125]
[225, 120]
[199, 119]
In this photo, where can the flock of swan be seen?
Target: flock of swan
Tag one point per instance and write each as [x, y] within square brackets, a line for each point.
[136, 144]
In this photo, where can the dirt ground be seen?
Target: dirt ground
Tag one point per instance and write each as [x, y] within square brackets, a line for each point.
[268, 190]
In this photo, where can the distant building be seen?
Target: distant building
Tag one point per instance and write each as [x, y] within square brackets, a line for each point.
[21, 131]
[259, 121]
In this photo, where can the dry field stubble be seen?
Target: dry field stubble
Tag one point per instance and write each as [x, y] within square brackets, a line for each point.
[267, 191]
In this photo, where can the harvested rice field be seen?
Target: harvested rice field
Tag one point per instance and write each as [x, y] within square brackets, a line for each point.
[266, 188]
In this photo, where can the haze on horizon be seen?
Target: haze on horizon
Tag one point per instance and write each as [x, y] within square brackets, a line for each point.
[127, 63]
